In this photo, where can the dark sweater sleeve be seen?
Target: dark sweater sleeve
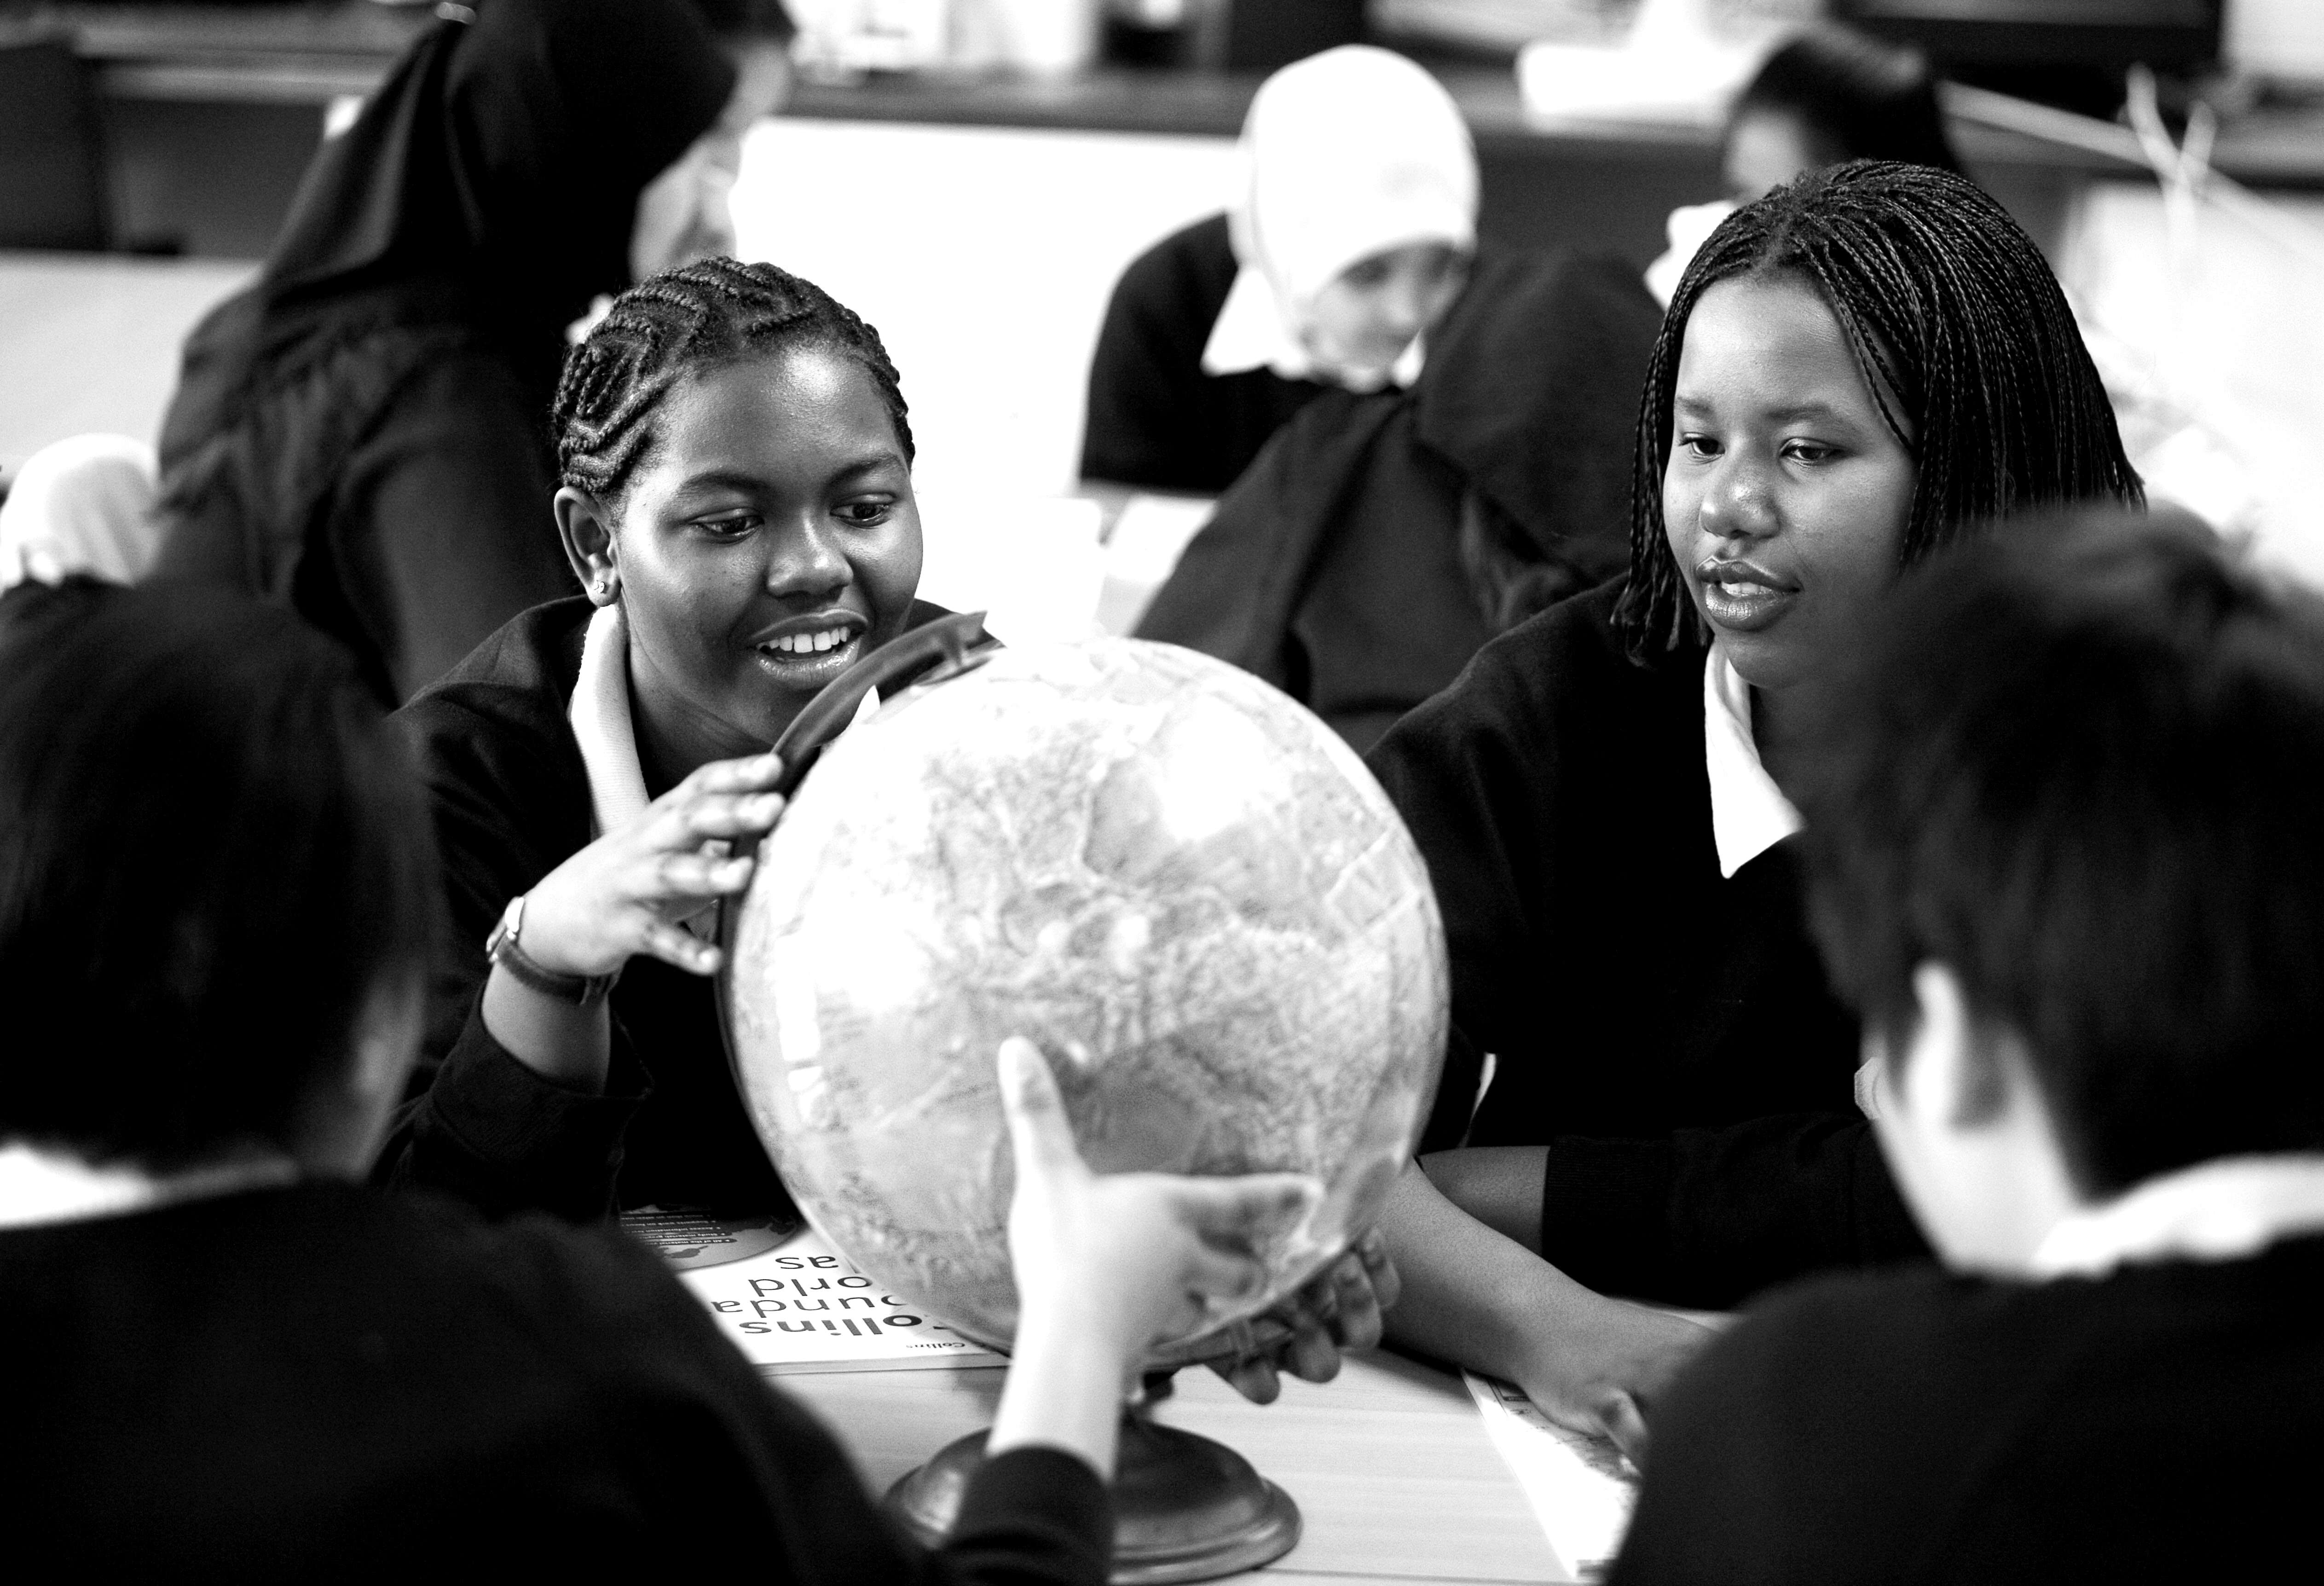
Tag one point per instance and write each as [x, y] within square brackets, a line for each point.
[1146, 376]
[1460, 780]
[478, 1124]
[494, 1133]
[708, 1436]
[1709, 1216]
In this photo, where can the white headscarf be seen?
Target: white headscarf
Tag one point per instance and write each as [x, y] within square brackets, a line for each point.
[1345, 154]
[84, 505]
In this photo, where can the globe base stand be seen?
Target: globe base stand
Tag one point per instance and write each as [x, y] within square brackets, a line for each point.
[1186, 1507]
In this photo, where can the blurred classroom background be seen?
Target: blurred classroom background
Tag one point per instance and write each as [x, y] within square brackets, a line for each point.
[972, 175]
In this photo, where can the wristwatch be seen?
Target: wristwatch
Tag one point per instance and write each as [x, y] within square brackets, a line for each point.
[502, 950]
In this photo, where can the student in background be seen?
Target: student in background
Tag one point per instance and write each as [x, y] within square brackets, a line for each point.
[1829, 96]
[1351, 236]
[359, 435]
[235, 1363]
[1859, 368]
[1398, 522]
[2064, 858]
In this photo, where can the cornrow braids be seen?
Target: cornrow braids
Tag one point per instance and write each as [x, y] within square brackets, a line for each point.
[679, 323]
[1964, 339]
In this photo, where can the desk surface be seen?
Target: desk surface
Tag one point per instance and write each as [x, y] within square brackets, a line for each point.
[1390, 1465]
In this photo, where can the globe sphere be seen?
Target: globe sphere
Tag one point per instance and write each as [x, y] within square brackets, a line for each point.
[1179, 884]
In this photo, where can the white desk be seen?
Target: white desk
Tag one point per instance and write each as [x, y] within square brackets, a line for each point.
[1395, 1477]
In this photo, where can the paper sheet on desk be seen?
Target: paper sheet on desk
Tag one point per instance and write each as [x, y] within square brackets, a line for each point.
[1580, 1489]
[802, 1306]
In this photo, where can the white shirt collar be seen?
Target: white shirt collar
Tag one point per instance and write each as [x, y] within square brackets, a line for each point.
[1748, 813]
[2218, 1210]
[1250, 333]
[40, 1187]
[599, 713]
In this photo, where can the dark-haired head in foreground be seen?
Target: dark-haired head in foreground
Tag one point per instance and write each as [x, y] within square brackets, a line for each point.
[217, 884]
[2065, 858]
[2067, 816]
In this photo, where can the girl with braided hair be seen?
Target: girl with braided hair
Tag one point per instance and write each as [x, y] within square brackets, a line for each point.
[1855, 370]
[737, 503]
[358, 435]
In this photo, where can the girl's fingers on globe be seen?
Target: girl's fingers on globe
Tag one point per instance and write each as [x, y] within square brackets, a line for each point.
[732, 814]
[1039, 1133]
[750, 774]
[1386, 1282]
[694, 875]
[1234, 1209]
[1311, 1355]
[657, 938]
[1356, 1319]
[1254, 1377]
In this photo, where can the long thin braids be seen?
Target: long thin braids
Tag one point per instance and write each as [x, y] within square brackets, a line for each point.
[1963, 336]
[677, 324]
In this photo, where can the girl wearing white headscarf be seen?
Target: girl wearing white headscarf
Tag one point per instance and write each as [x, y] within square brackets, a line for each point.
[1418, 442]
[85, 505]
[1350, 237]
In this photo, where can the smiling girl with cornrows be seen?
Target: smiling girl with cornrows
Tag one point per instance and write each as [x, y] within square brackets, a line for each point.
[1855, 370]
[737, 503]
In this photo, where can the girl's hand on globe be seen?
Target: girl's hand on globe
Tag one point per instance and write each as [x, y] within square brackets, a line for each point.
[1337, 1310]
[625, 893]
[1109, 1265]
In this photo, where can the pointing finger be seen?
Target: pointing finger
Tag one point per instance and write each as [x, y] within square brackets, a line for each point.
[1039, 1132]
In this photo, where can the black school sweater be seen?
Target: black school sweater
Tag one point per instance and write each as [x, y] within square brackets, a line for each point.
[1155, 417]
[1666, 1031]
[2156, 1425]
[329, 1383]
[510, 798]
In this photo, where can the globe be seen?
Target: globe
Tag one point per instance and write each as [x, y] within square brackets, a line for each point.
[1178, 883]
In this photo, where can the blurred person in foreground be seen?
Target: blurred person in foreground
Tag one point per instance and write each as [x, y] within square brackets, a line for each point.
[362, 433]
[217, 888]
[2064, 857]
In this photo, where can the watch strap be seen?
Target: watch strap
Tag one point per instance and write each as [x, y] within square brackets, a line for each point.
[504, 950]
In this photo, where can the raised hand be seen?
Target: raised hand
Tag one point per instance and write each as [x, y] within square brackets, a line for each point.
[1136, 1258]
